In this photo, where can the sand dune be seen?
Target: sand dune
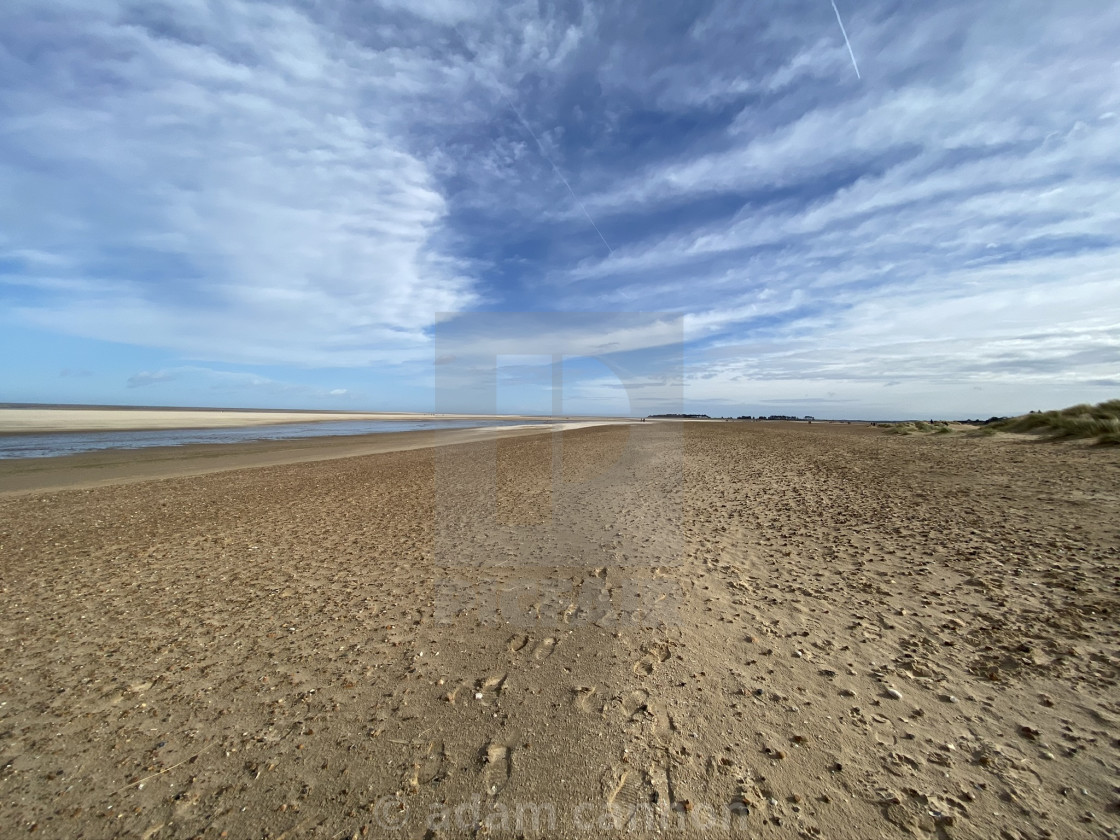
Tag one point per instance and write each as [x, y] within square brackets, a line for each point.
[746, 630]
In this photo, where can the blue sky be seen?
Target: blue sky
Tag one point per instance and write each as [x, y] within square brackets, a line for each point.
[294, 205]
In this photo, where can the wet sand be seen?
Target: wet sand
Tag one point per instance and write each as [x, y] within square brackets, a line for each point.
[748, 630]
[117, 466]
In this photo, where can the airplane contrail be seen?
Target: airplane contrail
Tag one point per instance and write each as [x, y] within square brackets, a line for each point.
[540, 145]
[844, 32]
[555, 168]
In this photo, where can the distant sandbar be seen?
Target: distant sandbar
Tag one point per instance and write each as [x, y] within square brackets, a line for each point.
[42, 420]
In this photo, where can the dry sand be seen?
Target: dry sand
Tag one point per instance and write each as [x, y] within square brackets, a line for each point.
[761, 630]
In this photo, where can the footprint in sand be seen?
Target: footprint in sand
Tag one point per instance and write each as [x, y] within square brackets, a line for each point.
[544, 648]
[625, 792]
[462, 691]
[662, 724]
[489, 689]
[496, 767]
[635, 704]
[524, 646]
[426, 767]
[584, 696]
[655, 655]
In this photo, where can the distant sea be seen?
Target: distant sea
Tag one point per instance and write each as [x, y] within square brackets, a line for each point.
[71, 443]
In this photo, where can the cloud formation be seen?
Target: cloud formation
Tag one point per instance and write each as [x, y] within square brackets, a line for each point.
[312, 184]
[233, 185]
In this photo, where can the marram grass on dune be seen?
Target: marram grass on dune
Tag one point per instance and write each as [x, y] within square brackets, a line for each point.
[1101, 421]
[912, 426]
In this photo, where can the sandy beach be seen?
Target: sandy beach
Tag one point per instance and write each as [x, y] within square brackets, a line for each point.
[673, 629]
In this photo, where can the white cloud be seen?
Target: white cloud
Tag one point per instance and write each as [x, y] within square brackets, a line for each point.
[1023, 343]
[260, 165]
[209, 383]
